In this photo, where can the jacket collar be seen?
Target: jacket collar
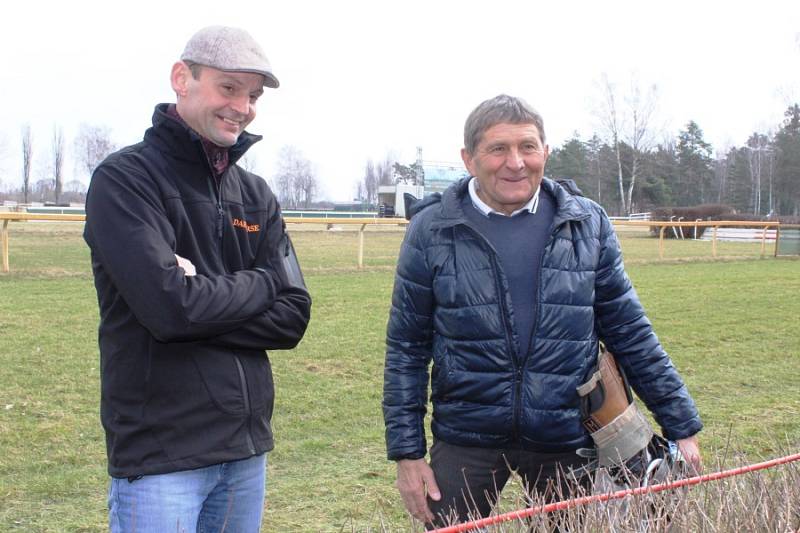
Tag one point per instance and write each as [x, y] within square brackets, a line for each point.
[172, 135]
[451, 213]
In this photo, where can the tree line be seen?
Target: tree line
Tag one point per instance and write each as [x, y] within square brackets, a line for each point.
[762, 177]
[626, 171]
[621, 166]
[624, 168]
[295, 180]
[45, 182]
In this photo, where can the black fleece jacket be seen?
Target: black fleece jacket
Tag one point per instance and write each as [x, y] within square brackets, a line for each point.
[186, 381]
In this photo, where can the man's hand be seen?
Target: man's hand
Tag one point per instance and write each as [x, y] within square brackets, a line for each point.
[186, 265]
[690, 449]
[414, 479]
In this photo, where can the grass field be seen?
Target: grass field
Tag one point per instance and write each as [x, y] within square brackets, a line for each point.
[731, 326]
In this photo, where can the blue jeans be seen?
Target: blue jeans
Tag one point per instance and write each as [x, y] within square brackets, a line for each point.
[224, 497]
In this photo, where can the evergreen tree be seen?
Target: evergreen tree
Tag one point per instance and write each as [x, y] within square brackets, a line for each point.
[694, 167]
[601, 171]
[662, 172]
[570, 162]
[738, 188]
[787, 164]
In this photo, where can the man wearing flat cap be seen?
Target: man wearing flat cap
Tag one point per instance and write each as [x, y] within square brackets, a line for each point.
[196, 278]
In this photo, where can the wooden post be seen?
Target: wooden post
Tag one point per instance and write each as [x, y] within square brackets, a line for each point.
[763, 242]
[661, 242]
[714, 242]
[4, 239]
[361, 246]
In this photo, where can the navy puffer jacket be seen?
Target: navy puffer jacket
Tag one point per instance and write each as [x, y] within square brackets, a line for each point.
[451, 305]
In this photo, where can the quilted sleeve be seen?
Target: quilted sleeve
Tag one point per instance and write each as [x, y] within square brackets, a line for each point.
[628, 334]
[408, 349]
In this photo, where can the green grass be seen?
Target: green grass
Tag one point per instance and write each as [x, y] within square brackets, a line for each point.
[730, 325]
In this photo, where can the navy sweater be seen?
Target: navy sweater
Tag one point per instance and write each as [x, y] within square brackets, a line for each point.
[519, 242]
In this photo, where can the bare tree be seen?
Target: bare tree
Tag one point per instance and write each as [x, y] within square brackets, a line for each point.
[76, 187]
[306, 186]
[722, 170]
[92, 145]
[757, 146]
[370, 183]
[384, 171]
[360, 191]
[594, 147]
[641, 107]
[27, 161]
[58, 161]
[3, 154]
[611, 122]
[3, 150]
[295, 179]
[41, 189]
[248, 162]
[630, 125]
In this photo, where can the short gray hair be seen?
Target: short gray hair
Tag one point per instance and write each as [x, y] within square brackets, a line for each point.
[195, 68]
[498, 110]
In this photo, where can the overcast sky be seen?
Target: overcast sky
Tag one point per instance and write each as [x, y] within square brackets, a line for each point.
[359, 79]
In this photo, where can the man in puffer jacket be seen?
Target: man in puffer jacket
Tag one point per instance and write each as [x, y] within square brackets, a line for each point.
[507, 282]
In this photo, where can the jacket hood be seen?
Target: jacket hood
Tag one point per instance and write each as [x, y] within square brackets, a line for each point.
[184, 143]
[414, 205]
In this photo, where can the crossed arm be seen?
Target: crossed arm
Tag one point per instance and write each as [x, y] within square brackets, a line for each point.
[130, 236]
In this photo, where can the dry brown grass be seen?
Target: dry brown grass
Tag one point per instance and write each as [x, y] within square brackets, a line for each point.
[761, 501]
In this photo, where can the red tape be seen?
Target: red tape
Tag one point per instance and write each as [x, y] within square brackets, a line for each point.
[596, 498]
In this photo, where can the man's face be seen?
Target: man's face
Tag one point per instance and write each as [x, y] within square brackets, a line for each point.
[218, 105]
[508, 164]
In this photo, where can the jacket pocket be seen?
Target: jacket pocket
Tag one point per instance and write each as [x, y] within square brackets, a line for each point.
[258, 373]
[224, 383]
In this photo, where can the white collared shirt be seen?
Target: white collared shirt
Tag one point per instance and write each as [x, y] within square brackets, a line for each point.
[485, 210]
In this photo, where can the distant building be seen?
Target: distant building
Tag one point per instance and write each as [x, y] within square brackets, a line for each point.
[439, 176]
[431, 177]
[390, 198]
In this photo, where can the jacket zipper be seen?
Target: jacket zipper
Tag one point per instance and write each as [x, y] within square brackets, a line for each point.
[518, 365]
[215, 189]
[507, 330]
[539, 293]
[512, 349]
[531, 342]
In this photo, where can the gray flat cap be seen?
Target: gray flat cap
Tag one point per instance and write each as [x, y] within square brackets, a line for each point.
[229, 49]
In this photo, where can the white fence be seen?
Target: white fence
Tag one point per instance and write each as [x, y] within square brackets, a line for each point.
[742, 235]
[634, 216]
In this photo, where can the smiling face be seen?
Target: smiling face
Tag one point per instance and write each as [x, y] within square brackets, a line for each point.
[508, 164]
[217, 104]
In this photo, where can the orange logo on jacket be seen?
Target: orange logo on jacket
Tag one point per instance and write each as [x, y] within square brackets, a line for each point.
[249, 228]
